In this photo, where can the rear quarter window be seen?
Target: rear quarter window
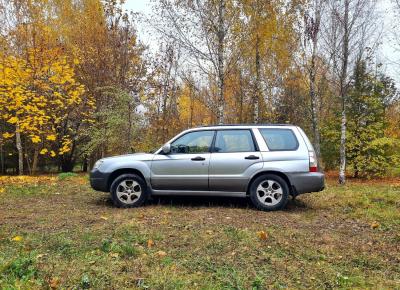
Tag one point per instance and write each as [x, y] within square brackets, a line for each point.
[280, 139]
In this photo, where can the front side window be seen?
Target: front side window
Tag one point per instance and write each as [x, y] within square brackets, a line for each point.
[279, 139]
[234, 141]
[193, 142]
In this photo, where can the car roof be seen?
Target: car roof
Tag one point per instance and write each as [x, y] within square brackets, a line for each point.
[240, 126]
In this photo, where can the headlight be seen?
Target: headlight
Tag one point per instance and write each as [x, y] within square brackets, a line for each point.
[98, 164]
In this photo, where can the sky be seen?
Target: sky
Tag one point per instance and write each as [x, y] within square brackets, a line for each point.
[386, 55]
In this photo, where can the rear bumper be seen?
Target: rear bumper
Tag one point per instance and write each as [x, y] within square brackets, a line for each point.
[307, 182]
[99, 180]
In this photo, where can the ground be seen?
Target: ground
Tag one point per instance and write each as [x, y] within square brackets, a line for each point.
[55, 232]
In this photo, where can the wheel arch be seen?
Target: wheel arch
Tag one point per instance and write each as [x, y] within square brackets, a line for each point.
[292, 190]
[121, 171]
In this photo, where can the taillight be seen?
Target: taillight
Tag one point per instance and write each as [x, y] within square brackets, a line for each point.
[313, 161]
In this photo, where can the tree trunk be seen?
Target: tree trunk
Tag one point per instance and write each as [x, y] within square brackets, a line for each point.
[312, 75]
[35, 160]
[241, 97]
[221, 80]
[343, 93]
[256, 100]
[20, 152]
[342, 167]
[2, 160]
[85, 164]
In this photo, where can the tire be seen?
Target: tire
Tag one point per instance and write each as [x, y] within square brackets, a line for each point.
[269, 192]
[128, 190]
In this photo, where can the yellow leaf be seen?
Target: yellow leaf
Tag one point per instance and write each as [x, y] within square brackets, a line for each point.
[161, 254]
[43, 151]
[114, 255]
[52, 153]
[35, 139]
[104, 218]
[17, 239]
[7, 135]
[150, 243]
[51, 137]
[262, 235]
[53, 283]
[12, 120]
[375, 225]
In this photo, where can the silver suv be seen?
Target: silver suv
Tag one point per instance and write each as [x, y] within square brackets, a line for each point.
[264, 162]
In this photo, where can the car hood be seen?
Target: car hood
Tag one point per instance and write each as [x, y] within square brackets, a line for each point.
[130, 157]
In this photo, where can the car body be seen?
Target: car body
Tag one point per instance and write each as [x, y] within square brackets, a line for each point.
[218, 160]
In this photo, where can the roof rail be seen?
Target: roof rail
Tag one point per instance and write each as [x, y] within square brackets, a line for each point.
[253, 125]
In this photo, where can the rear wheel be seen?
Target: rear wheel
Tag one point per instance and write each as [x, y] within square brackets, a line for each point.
[128, 190]
[269, 192]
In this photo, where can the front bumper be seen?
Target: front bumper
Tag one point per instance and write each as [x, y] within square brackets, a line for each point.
[99, 180]
[303, 182]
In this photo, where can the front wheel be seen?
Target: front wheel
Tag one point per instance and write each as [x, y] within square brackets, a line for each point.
[128, 190]
[269, 192]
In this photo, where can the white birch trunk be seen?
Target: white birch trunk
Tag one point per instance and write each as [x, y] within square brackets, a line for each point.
[221, 80]
[20, 151]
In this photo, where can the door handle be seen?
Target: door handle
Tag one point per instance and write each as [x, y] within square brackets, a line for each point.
[198, 158]
[252, 157]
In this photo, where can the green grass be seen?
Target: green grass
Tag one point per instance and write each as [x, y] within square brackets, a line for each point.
[73, 238]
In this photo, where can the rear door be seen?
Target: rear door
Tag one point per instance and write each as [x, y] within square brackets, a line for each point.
[235, 156]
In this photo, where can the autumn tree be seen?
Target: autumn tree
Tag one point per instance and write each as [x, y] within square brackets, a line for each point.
[203, 31]
[349, 30]
[311, 47]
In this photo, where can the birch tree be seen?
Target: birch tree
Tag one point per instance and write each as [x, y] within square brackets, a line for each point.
[312, 25]
[203, 30]
[350, 30]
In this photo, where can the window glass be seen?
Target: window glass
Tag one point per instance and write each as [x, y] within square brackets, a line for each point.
[279, 139]
[234, 141]
[193, 142]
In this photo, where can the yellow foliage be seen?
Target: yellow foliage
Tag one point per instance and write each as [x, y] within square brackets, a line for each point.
[36, 95]
[7, 135]
[26, 180]
[35, 139]
[51, 137]
[17, 239]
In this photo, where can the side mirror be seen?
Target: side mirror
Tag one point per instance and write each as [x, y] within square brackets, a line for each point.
[166, 148]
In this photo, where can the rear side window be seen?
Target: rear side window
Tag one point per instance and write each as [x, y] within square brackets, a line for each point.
[280, 139]
[234, 141]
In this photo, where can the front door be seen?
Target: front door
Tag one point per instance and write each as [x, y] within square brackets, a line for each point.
[186, 166]
[234, 159]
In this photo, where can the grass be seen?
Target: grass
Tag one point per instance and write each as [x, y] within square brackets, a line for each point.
[55, 232]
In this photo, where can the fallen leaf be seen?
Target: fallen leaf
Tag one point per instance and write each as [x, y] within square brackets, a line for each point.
[375, 225]
[104, 218]
[262, 235]
[114, 255]
[17, 239]
[209, 232]
[161, 254]
[40, 256]
[150, 243]
[53, 283]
